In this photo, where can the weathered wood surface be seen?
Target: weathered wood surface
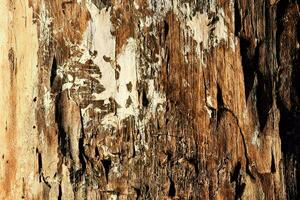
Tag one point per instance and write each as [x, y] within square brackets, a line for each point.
[149, 99]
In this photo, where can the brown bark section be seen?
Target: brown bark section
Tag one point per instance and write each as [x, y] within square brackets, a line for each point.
[150, 99]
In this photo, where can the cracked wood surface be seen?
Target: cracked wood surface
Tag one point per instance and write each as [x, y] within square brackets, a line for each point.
[149, 99]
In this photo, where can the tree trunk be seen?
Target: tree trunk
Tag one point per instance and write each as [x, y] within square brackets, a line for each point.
[149, 99]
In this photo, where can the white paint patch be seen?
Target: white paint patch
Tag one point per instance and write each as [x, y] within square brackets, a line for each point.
[208, 36]
[220, 32]
[148, 21]
[136, 6]
[232, 41]
[47, 99]
[116, 169]
[212, 5]
[200, 29]
[186, 83]
[47, 104]
[255, 139]
[209, 101]
[245, 113]
[104, 43]
[84, 114]
[128, 74]
[209, 112]
[110, 120]
[209, 105]
[157, 99]
[70, 77]
[105, 151]
[113, 197]
[67, 86]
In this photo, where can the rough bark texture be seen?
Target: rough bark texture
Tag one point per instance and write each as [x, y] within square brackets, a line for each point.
[149, 99]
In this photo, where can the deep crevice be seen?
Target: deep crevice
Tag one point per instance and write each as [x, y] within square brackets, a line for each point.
[53, 71]
[236, 172]
[237, 178]
[81, 145]
[220, 103]
[219, 97]
[40, 164]
[237, 19]
[81, 153]
[249, 65]
[145, 101]
[59, 197]
[166, 29]
[75, 176]
[273, 166]
[264, 99]
[145, 191]
[172, 190]
[240, 188]
[62, 135]
[106, 164]
[138, 193]
[97, 154]
[194, 161]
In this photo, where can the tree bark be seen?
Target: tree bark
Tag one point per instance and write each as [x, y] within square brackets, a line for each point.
[149, 99]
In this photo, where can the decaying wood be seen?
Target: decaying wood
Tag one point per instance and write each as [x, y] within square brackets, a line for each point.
[149, 99]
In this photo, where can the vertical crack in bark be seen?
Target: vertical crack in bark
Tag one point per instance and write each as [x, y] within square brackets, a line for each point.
[40, 164]
[145, 191]
[249, 64]
[138, 193]
[237, 18]
[166, 29]
[106, 165]
[81, 152]
[264, 99]
[53, 71]
[62, 135]
[273, 166]
[220, 103]
[172, 190]
[237, 178]
[59, 197]
[145, 101]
